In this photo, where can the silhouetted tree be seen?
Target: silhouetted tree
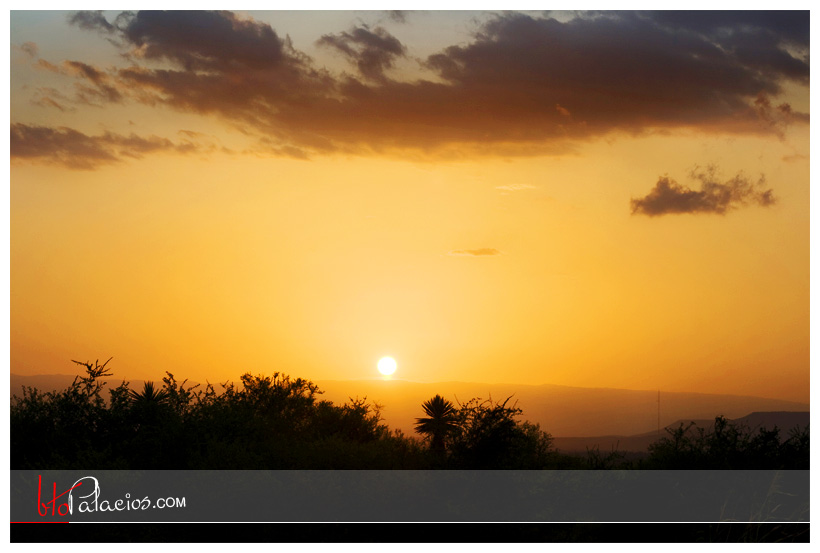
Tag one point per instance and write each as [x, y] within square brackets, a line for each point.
[489, 437]
[149, 394]
[440, 422]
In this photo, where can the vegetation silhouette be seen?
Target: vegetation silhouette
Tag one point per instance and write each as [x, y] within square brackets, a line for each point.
[490, 437]
[149, 395]
[439, 424]
[729, 446]
[279, 422]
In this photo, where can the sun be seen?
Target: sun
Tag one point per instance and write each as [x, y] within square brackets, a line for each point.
[387, 366]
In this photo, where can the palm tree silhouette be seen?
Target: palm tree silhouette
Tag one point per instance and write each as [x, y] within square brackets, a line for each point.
[149, 394]
[440, 421]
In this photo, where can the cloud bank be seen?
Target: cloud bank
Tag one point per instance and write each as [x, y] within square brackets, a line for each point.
[522, 85]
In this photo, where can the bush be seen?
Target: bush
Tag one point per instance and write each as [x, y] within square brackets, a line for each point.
[268, 422]
[729, 446]
[489, 437]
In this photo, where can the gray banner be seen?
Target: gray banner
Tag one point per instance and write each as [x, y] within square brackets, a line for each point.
[409, 496]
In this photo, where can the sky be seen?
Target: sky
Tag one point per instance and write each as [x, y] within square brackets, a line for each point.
[604, 199]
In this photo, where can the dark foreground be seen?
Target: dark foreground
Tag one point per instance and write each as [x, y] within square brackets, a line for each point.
[413, 533]
[276, 422]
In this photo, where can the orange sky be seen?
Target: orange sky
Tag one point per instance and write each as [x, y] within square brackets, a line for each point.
[194, 193]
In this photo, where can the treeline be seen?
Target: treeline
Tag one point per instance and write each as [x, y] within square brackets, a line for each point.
[277, 422]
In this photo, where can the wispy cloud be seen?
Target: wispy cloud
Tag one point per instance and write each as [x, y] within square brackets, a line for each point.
[30, 48]
[516, 187]
[76, 150]
[481, 252]
[92, 21]
[373, 51]
[397, 16]
[669, 197]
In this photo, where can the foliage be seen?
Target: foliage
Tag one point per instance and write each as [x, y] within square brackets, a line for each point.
[600, 461]
[482, 434]
[265, 422]
[440, 423]
[279, 422]
[729, 446]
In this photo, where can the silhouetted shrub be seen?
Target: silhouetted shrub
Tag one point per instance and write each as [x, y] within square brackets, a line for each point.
[267, 422]
[277, 422]
[489, 437]
[729, 446]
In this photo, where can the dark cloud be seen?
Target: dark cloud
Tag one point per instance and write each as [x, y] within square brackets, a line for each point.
[222, 64]
[522, 86]
[397, 16]
[102, 88]
[776, 118]
[91, 21]
[669, 197]
[206, 41]
[723, 26]
[372, 51]
[76, 150]
[626, 72]
[481, 252]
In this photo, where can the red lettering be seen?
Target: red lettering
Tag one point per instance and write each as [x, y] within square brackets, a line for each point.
[53, 503]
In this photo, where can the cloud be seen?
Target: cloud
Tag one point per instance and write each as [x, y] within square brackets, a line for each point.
[76, 150]
[205, 41]
[397, 16]
[52, 98]
[481, 252]
[94, 87]
[621, 72]
[759, 38]
[522, 85]
[516, 187]
[101, 88]
[48, 66]
[91, 21]
[794, 157]
[372, 51]
[30, 48]
[777, 118]
[669, 197]
[49, 102]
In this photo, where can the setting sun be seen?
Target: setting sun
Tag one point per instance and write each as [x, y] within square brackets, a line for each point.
[387, 366]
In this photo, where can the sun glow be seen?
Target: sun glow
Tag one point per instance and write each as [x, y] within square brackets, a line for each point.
[387, 366]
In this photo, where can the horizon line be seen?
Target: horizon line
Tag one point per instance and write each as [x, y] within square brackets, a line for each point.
[374, 380]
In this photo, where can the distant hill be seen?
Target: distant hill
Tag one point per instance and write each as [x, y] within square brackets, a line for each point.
[604, 443]
[560, 410]
[706, 424]
[784, 420]
[616, 415]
